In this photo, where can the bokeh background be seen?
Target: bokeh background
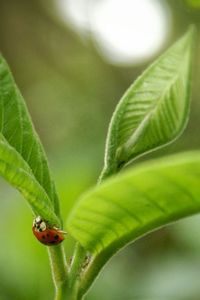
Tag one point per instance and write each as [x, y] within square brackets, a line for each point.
[73, 60]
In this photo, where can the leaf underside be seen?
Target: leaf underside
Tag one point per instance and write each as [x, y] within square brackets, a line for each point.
[140, 200]
[154, 110]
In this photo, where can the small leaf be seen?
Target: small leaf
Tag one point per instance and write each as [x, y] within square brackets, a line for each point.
[15, 170]
[154, 110]
[130, 205]
[17, 129]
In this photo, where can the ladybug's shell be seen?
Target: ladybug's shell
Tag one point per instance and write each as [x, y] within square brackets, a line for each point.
[49, 236]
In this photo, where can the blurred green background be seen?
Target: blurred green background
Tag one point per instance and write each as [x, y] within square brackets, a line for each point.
[71, 86]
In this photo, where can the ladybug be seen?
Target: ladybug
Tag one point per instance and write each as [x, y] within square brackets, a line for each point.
[45, 234]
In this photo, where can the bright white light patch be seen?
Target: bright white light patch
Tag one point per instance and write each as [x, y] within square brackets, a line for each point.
[129, 30]
[124, 31]
[75, 13]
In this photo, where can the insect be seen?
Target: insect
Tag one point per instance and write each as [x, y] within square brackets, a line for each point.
[45, 234]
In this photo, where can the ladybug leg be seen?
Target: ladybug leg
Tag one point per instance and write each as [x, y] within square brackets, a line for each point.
[59, 230]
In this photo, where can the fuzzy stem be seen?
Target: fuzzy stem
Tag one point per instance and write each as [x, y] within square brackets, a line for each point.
[91, 274]
[99, 261]
[106, 172]
[59, 270]
[77, 262]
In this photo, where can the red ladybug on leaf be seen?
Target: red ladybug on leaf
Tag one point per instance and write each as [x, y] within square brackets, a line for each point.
[45, 234]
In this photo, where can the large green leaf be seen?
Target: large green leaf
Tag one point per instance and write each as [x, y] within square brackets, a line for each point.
[16, 171]
[17, 129]
[154, 110]
[136, 202]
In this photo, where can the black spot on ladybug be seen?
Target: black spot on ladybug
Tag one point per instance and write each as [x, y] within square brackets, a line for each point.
[56, 237]
[43, 236]
[47, 235]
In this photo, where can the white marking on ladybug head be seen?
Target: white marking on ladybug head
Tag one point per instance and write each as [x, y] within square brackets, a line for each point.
[38, 219]
[43, 226]
[39, 224]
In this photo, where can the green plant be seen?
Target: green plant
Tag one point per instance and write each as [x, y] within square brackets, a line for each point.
[152, 113]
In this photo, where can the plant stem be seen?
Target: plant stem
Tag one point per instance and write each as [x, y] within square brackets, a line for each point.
[106, 172]
[91, 274]
[100, 260]
[59, 270]
[77, 262]
[110, 171]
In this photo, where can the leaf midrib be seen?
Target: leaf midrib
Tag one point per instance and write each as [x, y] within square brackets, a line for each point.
[132, 141]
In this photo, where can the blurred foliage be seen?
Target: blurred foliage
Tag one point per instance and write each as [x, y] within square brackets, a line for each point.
[71, 93]
[193, 3]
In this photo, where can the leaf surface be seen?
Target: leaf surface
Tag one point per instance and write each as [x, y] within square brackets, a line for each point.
[17, 172]
[17, 129]
[154, 110]
[133, 203]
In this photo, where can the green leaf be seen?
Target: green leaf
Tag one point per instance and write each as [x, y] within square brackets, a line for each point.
[16, 171]
[131, 204]
[17, 129]
[154, 110]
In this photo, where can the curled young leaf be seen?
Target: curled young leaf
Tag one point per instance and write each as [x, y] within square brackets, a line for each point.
[154, 110]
